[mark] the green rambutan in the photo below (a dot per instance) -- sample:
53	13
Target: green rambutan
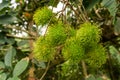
42	16
43	51
88	34
72	50
96	57
56	34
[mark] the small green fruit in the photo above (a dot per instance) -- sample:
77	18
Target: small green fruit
68	68
56	34
97	57
72	50
43	51
42	16
88	34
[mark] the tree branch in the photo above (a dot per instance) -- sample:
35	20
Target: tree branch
11	27
28	38
45	71
84	69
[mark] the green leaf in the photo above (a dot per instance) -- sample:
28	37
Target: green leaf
9	56
53	3
2	41
111	5
4	4
10	40
3	76
14	78
114	53
92	4
99	78
2	66
7	19
24	45
42	65
117	26
91	77
20	67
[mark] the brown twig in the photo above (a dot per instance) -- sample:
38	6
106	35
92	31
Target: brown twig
32	68
84	69
45	71
49	20
110	67
97	13
18	28
26	38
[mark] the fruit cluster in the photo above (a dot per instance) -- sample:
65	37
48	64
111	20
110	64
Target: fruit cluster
81	44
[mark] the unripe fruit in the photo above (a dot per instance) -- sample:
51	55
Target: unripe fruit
88	34
56	34
96	57
42	16
43	51
85	46
72	50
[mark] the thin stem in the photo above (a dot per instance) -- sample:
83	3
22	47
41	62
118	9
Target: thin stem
50	19
11	27
97	13
84	69
110	67
45	71
32	68
26	38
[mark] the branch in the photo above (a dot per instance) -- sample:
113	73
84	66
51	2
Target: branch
11	27
97	13
75	11
45	71
27	38
84	69
49	20
72	8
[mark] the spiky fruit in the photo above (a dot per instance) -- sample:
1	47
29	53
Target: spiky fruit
69	67
96	57
43	51
71	32
72	50
88	34
45	47
56	34
42	16
83	46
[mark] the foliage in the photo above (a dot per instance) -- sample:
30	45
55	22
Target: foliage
12	73
111	5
